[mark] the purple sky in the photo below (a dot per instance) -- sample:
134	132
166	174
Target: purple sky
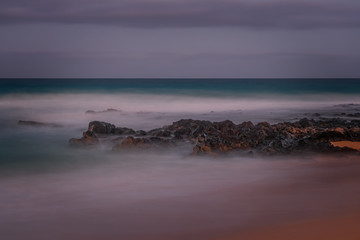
179	38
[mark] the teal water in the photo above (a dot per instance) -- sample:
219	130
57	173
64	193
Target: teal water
186	86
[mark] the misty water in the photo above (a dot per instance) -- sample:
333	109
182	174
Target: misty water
51	191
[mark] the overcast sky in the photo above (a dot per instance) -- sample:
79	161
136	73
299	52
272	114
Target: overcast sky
179	38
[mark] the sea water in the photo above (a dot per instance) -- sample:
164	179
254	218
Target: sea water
51	191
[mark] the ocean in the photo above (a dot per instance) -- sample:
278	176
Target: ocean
233	87
52	191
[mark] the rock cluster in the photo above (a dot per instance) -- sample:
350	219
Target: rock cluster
220	137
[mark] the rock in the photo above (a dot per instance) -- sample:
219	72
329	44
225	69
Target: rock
90	112
89	139
111	110
104	111
216	138
132	143
39	124
140	133
108	128
101	127
356	115
165	134
124	131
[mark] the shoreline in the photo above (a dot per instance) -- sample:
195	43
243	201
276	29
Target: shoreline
343	226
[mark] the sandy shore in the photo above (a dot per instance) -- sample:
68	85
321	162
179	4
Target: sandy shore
332	228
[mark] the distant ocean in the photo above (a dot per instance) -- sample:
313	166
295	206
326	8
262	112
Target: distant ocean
235	87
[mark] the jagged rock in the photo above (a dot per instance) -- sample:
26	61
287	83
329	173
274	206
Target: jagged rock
220	137
101	127
131	143
354	115
89	139
140	133
165	133
124	131
108	128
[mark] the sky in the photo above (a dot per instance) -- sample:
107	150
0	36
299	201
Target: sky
180	38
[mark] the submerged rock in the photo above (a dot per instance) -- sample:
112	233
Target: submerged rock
39	124
109	110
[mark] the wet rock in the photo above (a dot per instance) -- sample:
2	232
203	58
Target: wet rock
89	138
109	110
356	115
90	112
133	143
38	124
216	138
124	131
165	134
140	133
108	128
101	127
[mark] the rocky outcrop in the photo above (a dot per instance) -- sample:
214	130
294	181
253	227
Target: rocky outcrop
89	138
221	137
108	128
97	129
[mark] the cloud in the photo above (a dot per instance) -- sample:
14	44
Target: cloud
168	65
198	13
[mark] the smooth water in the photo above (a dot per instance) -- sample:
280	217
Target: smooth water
222	87
51	191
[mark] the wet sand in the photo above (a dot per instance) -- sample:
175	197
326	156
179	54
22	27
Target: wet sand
164	197
332	228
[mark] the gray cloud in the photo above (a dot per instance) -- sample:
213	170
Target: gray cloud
205	65
179	38
199	13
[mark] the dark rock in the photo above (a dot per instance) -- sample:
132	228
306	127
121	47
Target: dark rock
354	115
108	128
101	127
104	111
111	110
124	131
90	112
39	124
132	143
165	133
89	139
140	133
220	137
